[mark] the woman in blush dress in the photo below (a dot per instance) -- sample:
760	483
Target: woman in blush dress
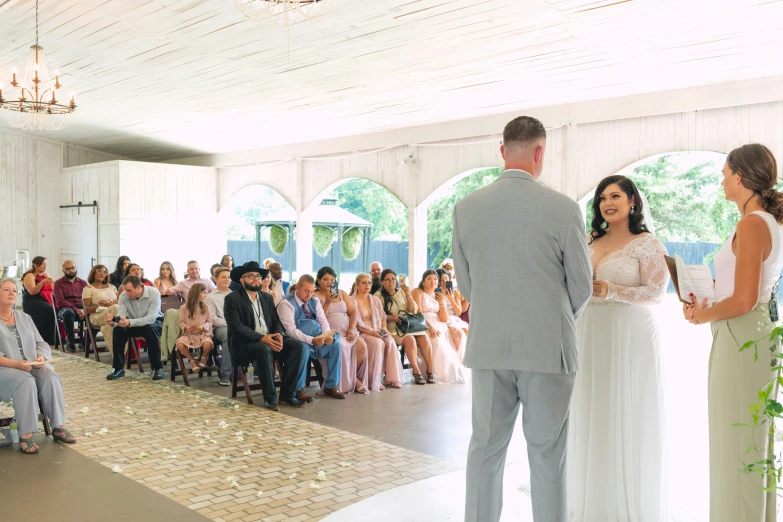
340	311
195	320
453	300
616	468
166	279
382	354
448	342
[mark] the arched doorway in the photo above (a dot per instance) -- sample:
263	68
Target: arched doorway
238	219
364	204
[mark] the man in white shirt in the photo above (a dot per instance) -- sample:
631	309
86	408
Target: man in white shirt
278	286
183	287
215	302
303	318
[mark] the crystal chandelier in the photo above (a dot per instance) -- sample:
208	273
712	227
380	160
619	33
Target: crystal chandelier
35	105
273	11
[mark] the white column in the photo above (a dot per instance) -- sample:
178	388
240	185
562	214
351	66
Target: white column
304	228
570	161
417	243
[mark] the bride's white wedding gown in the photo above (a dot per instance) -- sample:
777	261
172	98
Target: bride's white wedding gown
616	447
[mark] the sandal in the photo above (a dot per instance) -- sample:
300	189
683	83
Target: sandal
64	436
393	385
30	447
362	389
419	379
430	378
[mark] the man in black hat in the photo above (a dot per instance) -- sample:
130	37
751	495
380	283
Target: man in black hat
255	334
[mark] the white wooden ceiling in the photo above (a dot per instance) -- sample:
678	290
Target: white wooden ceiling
165	79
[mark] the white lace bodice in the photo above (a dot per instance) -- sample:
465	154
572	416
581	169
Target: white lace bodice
636	274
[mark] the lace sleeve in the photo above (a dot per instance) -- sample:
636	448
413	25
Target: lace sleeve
653	274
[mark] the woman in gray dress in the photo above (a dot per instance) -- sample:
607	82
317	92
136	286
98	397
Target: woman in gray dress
24	376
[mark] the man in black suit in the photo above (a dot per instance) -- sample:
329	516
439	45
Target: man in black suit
255	334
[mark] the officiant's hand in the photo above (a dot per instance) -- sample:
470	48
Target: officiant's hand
600	289
697	310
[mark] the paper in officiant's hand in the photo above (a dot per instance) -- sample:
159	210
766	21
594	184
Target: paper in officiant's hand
691	279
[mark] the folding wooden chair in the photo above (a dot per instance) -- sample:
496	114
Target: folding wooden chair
5	423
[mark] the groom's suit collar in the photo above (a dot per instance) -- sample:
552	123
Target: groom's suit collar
517	174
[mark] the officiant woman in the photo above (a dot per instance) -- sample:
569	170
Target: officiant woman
21	346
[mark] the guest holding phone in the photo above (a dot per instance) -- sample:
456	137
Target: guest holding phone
382	351
342	316
398	299
38	299
453	301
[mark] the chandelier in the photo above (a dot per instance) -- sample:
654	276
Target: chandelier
35	105
273	11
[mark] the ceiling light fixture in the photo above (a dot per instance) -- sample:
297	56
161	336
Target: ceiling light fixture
286	11
35	106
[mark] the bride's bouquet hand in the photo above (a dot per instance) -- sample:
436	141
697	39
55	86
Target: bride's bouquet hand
600	289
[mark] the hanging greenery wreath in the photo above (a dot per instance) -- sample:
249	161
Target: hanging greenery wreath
352	243
323	237
278	238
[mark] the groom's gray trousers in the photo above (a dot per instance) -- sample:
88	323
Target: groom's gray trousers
545	399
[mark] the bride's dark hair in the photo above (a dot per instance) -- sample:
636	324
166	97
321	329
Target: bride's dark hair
635	219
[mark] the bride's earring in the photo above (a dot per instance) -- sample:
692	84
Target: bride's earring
633	210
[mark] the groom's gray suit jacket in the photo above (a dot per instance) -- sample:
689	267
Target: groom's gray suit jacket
522	262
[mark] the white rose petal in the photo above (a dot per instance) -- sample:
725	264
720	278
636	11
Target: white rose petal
223	457
128	408
172	456
248	452
88	434
235	485
321	476
259	493
206	422
313	485
238	434
196	433
230	478
202	442
236	406
292	477
213	441
116	468
267	421
240	439
345	464
84	410
166	450
103	431
146	420
142	455
259	435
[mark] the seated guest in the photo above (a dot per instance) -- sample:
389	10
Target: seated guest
166	279
398	299
375	272
119	272
227	261
341	314
100	299
215	302
21	346
183	287
255	335
139	316
212	273
195	321
37	299
453	301
448	342
279	287
266	284
135	270
304	320
448	266
382	355
68	300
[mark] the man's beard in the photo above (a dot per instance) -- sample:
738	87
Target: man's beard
72	276
376	280
251	287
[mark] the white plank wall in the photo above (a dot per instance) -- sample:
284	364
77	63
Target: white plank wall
169	212
31	194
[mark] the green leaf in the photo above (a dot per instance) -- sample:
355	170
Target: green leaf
747	345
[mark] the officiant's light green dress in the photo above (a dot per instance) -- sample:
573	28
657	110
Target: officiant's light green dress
734	382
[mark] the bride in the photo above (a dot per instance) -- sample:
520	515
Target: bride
616	446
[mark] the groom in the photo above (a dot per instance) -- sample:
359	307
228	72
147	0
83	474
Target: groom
522	247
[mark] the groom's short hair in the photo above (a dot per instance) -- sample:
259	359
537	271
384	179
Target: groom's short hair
522	131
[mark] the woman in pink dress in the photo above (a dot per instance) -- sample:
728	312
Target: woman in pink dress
448	342
382	354
454	301
342	316
196	324
166	279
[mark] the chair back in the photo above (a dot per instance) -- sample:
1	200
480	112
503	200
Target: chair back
167	302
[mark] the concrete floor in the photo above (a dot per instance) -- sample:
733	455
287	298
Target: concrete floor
59	484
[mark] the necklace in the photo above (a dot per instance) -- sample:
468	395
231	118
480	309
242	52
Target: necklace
6	319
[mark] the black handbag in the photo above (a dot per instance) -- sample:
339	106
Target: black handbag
411	323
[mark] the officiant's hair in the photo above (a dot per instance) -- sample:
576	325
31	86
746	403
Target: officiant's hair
635	221
523	130
758	172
